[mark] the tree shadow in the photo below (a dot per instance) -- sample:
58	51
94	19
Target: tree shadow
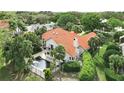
5	74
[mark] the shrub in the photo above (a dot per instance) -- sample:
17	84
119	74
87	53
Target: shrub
87	72
113	46
72	66
107	54
48	74
112	76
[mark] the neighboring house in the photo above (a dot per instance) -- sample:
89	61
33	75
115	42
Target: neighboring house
122	44
119	29
74	44
4	24
34	27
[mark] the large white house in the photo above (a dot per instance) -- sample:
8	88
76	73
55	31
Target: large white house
74	44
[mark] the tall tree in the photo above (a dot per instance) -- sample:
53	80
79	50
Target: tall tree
91	22
69	26
58	54
17	52
116	62
14	23
65	18
36	41
114	22
94	44
40	31
77	28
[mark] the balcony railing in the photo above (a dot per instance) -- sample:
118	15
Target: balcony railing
37	71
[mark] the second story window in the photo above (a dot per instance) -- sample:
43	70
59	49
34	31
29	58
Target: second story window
51	46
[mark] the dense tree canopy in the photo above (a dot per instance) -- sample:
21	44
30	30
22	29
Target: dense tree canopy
58	53
77	28
117	36
69	26
64	19
91	22
116	62
94	44
114	22
113	46
107	54
42	19
40	31
17	52
36	41
14	23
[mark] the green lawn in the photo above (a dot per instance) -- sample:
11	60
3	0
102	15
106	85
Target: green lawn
100	70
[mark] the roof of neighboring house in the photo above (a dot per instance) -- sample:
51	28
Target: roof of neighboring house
4	24
65	38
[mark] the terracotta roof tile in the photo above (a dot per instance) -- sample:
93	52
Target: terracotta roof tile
83	41
65	38
4	24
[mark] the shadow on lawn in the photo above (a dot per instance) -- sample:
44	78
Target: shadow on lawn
5	74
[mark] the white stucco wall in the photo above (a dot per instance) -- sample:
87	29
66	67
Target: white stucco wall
51	42
75	42
122	46
67	57
79	51
123	50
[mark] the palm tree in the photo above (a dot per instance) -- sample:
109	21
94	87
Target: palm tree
94	44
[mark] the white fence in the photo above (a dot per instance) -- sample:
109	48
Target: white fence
37	71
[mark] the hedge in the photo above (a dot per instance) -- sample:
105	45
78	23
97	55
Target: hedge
72	66
112	76
87	72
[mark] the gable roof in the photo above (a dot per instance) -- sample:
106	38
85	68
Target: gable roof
4	24
65	38
83	40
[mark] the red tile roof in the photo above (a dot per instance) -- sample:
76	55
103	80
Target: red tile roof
65	38
83	40
4	24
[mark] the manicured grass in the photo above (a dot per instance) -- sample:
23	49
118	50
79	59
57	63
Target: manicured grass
101	74
98	57
100	70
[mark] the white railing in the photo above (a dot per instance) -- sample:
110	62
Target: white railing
37	71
